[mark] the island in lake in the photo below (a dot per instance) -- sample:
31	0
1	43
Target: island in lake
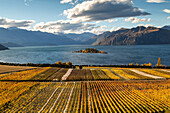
90	50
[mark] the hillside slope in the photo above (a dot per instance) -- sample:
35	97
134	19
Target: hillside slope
79	37
135	36
32	38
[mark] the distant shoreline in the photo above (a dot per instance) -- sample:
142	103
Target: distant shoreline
84	66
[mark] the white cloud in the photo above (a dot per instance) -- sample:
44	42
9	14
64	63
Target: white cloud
109	20
112	20
65	1
98	10
136	20
168	17
166	10
159	26
76	1
67	26
155	1
113	29
69	1
6	23
146	25
27	2
98	29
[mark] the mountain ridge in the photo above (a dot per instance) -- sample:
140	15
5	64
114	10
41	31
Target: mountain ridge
166	27
83	37
32	38
135	36
125	36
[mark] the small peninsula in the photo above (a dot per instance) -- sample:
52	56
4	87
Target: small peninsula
3	47
90	50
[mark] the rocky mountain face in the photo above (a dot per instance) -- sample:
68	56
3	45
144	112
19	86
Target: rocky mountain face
97	38
136	36
32	38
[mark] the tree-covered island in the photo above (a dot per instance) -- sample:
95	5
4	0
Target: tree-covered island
90	50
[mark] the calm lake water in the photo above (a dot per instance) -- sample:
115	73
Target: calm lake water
116	54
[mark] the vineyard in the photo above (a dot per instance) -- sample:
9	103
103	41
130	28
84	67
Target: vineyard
63	74
90	90
101	96
7	69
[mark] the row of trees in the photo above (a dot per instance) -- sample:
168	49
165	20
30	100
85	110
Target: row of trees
64	63
57	64
145	64
149	64
70	65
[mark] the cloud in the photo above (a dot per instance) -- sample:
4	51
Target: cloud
67	26
136	20
146	25
5	22
69	1
113	29
112	20
155	1
98	10
166	10
98	29
168	17
66	1
109	20
27	2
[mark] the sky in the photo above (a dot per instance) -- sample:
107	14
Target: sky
78	16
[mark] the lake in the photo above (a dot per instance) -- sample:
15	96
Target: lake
117	55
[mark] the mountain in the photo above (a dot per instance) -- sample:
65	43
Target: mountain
95	39
135	36
3	47
32	38
166	27
11	44
79	37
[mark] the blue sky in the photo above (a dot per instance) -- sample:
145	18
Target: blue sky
77	16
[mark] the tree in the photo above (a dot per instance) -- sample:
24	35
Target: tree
149	64
69	63
131	64
64	63
137	64
58	63
159	62
80	67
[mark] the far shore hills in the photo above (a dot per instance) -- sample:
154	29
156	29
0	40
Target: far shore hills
140	35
